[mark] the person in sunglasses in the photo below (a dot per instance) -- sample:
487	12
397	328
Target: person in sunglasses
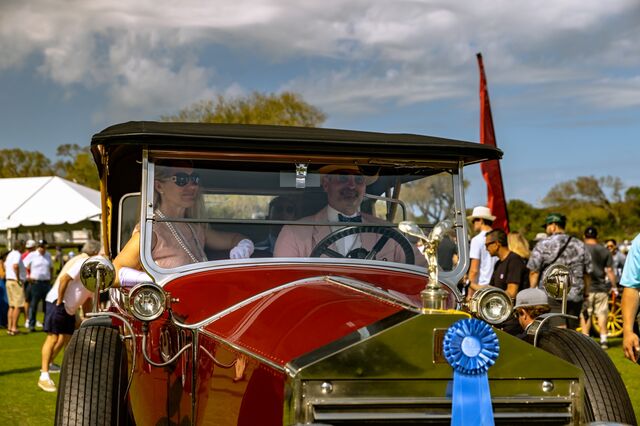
175	243
345	186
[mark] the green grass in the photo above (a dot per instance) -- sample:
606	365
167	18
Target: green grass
24	402
22	399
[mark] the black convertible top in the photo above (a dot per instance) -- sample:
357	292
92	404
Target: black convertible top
289	140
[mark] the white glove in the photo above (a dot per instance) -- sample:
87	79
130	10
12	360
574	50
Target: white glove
130	277
243	250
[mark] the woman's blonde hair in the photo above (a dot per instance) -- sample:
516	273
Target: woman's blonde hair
519	244
163	171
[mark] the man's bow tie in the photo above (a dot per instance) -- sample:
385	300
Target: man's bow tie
343	218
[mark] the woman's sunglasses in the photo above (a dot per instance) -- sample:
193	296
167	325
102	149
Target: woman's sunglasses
182	179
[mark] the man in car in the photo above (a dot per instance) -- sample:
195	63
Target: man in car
345	187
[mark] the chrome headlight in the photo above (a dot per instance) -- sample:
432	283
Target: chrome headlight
491	304
147	301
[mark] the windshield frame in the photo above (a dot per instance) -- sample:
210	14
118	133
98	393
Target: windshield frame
162	275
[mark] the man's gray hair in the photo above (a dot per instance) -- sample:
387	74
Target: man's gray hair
91	247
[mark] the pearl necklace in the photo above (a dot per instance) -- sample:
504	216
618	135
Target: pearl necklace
181	239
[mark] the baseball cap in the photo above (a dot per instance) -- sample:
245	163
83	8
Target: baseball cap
42	243
531	297
591	232
555	218
30	244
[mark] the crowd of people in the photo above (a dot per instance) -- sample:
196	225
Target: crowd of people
26	274
505	261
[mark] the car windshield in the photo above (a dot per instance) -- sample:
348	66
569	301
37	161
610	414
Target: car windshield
198	210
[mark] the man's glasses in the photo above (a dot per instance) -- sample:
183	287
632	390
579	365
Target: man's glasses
486	245
182	179
358	179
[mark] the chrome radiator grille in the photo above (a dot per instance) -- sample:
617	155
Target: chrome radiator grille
327	403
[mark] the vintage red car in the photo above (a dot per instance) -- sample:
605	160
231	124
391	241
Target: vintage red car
316	326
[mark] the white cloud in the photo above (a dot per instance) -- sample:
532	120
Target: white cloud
145	54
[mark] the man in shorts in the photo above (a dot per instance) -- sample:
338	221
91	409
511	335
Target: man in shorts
16	277
63	301
599	288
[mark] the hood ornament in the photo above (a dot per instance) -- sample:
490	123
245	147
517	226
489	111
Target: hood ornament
433	296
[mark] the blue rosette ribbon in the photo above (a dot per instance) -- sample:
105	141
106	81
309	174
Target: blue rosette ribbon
471	347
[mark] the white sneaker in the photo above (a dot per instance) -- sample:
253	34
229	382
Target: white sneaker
54	368
47	385
26	324
39	324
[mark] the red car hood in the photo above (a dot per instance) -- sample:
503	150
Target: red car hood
281	314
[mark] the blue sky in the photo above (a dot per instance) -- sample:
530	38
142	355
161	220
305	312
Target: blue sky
564	76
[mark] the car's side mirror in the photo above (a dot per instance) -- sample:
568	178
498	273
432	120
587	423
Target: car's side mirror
97	273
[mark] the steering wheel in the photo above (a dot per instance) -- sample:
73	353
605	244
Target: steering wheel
386	233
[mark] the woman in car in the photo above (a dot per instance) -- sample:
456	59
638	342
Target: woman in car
177	196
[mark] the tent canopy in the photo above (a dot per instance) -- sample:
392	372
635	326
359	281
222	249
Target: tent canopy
46	201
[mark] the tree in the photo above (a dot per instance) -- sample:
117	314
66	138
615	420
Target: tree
287	109
76	164
588	190
18	163
525	218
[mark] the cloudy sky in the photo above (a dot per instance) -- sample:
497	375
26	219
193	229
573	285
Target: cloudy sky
564	75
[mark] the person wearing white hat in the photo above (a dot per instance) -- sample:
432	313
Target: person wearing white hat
482	262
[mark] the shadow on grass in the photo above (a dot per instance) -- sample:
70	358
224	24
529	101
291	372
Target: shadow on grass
19	370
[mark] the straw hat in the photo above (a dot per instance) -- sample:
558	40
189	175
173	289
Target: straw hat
335	169
481	212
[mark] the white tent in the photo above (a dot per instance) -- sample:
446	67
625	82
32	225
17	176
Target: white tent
45	202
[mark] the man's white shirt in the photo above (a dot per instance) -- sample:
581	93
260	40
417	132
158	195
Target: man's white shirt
478	250
39	265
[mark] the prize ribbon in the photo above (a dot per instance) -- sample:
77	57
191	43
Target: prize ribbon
471	347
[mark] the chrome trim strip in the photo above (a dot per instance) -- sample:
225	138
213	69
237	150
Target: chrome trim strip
243	303
355	401
194	374
162	276
368	289
362	334
133	340
460	224
243	350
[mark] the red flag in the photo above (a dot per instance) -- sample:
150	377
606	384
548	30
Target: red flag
491	169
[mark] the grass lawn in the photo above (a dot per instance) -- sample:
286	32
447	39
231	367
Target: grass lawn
24	402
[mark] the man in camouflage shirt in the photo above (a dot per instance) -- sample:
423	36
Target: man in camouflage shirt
575	256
